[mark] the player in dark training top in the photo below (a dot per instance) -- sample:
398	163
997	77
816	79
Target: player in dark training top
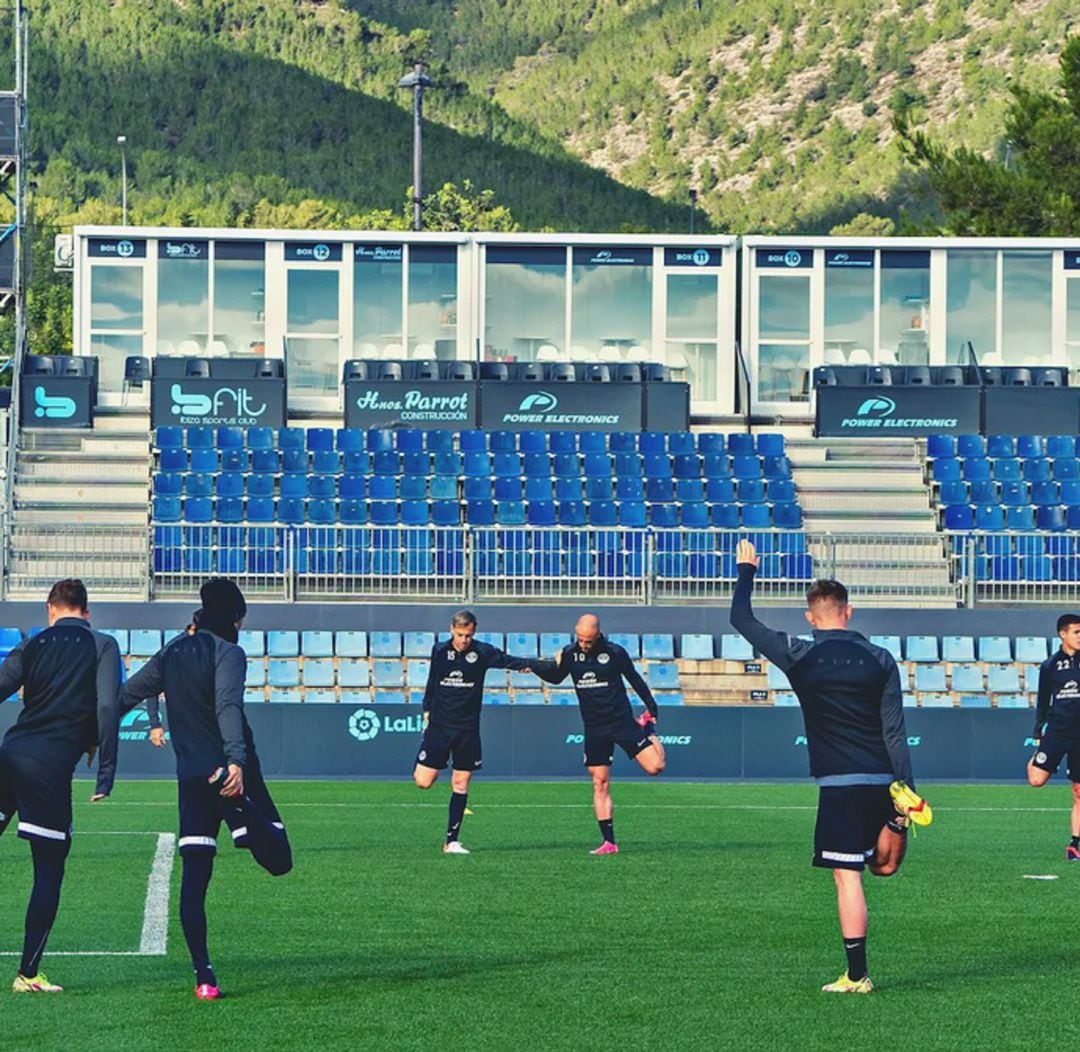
849	691
597	668
452	701
70	678
202	677
1057	721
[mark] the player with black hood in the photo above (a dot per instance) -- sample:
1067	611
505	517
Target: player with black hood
202	678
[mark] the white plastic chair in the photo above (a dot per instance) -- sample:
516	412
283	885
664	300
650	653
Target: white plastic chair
189	348
609	353
859	356
367	351
547	352
637	353
393	350
219	349
423	352
834	356
887	356
165	347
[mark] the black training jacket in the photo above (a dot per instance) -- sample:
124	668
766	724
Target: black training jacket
70	676
1059	691
455	684
598	679
202	678
849	691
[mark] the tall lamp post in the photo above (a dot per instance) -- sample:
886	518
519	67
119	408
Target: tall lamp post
417	80
121	141
693	207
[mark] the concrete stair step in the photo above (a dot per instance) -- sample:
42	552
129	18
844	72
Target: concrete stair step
62	515
102	492
66	470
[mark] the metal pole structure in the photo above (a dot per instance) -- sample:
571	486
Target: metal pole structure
417	81
693	208
121	141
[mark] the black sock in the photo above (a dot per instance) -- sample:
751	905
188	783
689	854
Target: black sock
198	868
49	856
457	813
1074	842
856	958
607	829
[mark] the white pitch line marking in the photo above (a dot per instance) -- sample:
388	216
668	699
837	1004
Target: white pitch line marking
155	929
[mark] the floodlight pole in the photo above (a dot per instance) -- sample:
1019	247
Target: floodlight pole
417	81
121	141
693	207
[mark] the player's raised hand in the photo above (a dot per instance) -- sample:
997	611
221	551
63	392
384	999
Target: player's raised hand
746	553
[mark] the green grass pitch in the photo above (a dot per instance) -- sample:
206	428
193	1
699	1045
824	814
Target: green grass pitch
709	931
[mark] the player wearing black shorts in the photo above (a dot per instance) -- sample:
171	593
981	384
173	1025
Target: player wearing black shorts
70	678
202	677
849	691
452	700
597	667
1057	721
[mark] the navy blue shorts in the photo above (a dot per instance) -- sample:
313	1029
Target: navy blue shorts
600	742
849	821
39	793
203	809
1058	742
441	744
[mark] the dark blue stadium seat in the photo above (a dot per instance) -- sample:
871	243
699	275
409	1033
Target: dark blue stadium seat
659	489
597	465
416	462
169	438
989	517
598	489
1037	469
168	485
1020	518
352	512
686	466
199	438
711	442
984	491
954	491
689	491
1061	446
319	438
445	512
716	466
569	489
959	517
776	467
322	511
538	489
652	442
565	465
725	516
603	513
787	516
351	487
781	491
235	460
205	460
680	442
198	509
229	484
946	469
294	462
198	485
720	491
694	516
940	446
537	465
1001	446
439	441
1045	493
351	440
409	440
506	465
508	488
230	438
480	512
755	516
1007	469
326	462
291	510
629	489
751	491
976	468
260	509
771	444
532	442
448	463
415	513
1051	517
571	513
592	442
622	442
166	509
290	438
1070	493
1015	494
173	460
628	465
1066	469
383	512
1030	446
664	516
746	467
970	446
477	489
265	461
656	465
633	514
294	486
740	444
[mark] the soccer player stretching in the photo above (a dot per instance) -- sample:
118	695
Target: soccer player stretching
849	691
597	668
452	700
202	677
70	676
1057	721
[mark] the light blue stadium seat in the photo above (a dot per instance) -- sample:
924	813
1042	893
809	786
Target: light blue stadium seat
388	672
967	678
937	701
354	697
496	697
283	672
416	671
696	647
495	639
629	641
552	642
351	644
910	701
282	644
10	638
663	675
921	648
1031	679
1030	648
143	641
974	701
419	644
385	644
529	697
995	648
776	679
169	634
889	643
785	699
957	648
389	696
562	696
669	697
521	644
254	696
317	644
1003	679
657	646
318	672
120	635
320	696
735	648
1013	701
523	680
353	672
256	673
929	678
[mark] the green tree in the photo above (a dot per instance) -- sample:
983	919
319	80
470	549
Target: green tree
1033	189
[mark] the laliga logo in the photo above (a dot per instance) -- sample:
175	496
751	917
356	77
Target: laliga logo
877	406
124	248
202	405
363	725
792	258
541	402
55	407
701	257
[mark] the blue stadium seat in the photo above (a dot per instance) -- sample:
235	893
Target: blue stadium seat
1061	446
416	672
1030	446
959	517
756	516
771	444
439	441
317	644
384	644
1007	469
387	672
283	672
379	440
995	648
173	460
120	635
522	644
746	467
473	441
740	443
1020	518
889	643
694	516
1031	649
1012	701
168	485
696	647
663	676
169	438
921	648
419	644
937	701
200	438
711	442
351	644
1003	679
283	644
256	673
598	489
409	440
929	678
957	648
657	647
1051	517
946	469
652	442
971	446
976	469
1066	469
966	678
735	648
353	672
989	517
716	466
998	446
294	486
974	701
787	516
725	516
317	672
